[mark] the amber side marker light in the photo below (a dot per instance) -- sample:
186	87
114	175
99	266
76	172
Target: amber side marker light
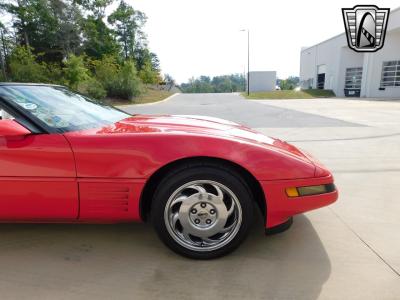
310	190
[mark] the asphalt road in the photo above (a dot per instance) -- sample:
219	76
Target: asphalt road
350	250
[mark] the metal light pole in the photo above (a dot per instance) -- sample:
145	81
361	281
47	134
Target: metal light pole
248	60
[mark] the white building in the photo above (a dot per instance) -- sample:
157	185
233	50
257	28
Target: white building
333	65
262	81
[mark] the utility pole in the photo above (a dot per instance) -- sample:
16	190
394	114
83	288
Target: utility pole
248	60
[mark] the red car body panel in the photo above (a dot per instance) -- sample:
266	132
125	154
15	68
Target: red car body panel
11	129
38	199
138	146
42	155
98	175
37	178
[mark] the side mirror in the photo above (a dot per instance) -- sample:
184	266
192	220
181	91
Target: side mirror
10	128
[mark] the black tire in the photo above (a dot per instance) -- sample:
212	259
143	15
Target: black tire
184	174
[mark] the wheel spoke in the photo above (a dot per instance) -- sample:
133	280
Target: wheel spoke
178	200
226	229
231	209
209	241
175	219
220	194
199	188
186	235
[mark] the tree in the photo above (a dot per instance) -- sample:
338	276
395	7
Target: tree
155	62
51	27
148	65
97	8
218	84
147	74
3	52
23	15
99	39
143	56
169	81
68	34
70	42
25	68
128	24
290	83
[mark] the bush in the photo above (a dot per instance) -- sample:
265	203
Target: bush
148	75
75	71
106	72
24	68
55	74
128	83
92	88
119	81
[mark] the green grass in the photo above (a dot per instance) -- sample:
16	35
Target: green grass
291	94
149	96
152	95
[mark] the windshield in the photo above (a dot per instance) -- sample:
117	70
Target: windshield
60	108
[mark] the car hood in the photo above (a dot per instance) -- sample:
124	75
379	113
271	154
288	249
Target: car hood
192	124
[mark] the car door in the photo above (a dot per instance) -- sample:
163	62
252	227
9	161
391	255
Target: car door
37	175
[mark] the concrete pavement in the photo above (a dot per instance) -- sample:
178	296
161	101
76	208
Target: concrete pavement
234	108
350	250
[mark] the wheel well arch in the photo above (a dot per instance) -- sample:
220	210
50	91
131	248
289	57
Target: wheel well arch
151	184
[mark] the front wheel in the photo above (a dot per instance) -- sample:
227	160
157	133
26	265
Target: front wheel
202	211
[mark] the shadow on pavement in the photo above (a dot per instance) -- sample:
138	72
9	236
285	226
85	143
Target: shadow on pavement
127	261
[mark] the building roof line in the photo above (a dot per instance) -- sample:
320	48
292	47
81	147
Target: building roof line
327	40
338	35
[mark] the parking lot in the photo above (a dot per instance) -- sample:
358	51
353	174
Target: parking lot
348	250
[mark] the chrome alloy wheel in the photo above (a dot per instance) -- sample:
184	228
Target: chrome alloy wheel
203	215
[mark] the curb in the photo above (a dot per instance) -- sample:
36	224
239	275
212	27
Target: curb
152	103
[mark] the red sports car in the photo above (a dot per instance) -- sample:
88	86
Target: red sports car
67	158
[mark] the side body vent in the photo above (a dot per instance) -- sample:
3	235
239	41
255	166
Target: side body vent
105	200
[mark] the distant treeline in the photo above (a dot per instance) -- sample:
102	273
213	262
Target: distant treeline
229	83
217	84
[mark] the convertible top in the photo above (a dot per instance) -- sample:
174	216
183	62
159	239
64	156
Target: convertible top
28	84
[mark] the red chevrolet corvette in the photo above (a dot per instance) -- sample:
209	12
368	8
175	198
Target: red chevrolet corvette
67	158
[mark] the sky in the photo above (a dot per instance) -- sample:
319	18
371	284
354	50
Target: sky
203	37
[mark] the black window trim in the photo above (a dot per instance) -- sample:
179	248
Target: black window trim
22	118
